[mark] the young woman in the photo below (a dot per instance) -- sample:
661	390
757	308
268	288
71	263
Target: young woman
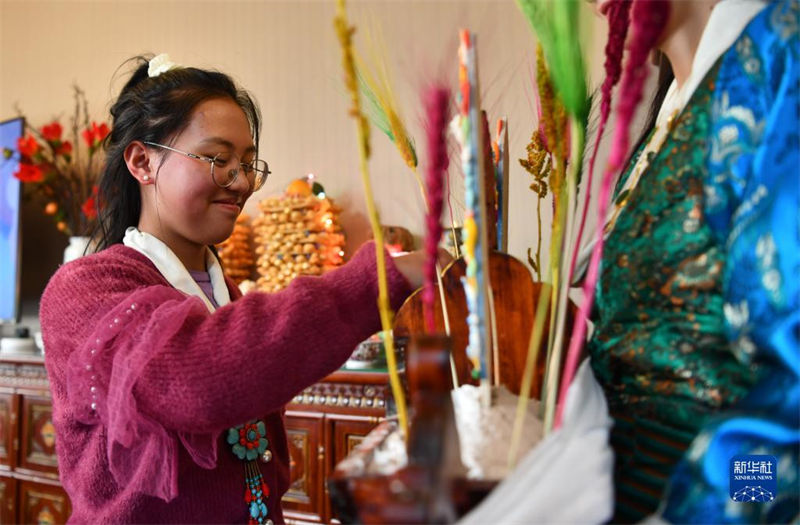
168	386
696	338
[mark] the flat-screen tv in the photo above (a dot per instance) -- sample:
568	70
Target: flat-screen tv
10	246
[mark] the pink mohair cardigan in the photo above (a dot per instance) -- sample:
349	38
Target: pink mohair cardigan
145	381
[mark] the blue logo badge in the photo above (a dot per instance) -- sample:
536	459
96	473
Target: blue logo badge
754	478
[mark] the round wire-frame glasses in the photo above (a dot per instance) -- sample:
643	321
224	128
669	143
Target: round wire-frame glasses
224	170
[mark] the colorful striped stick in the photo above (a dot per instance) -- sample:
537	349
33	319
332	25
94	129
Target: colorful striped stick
501	184
475	243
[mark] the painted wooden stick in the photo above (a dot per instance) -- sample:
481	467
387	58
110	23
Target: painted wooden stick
501	180
475	245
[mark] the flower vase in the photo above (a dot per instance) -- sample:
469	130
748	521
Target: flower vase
76	248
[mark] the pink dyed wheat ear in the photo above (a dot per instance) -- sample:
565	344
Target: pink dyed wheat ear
618	16
618	22
649	18
437	103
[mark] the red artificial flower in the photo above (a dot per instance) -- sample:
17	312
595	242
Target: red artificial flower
27	146
65	148
52	132
29	173
88	136
95	134
101	132
89	209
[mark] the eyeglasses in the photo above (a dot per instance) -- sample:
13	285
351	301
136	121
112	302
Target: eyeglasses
225	167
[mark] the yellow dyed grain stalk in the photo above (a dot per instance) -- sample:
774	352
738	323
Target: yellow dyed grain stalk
345	33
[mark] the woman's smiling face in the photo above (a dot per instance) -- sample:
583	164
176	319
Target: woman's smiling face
190	206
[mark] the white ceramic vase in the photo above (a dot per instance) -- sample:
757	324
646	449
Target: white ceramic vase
76	248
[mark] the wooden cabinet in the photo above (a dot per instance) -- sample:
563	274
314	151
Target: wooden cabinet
42	503
8	500
323	424
304	432
37	437
29	488
348	431
8	431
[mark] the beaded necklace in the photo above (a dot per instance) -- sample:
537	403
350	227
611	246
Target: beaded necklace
249	443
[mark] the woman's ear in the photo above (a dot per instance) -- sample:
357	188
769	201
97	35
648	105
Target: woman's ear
138	159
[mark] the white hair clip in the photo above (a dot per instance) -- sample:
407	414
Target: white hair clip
160	64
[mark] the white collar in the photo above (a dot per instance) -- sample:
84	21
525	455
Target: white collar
173	269
725	24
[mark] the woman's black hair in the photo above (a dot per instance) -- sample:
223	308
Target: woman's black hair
154	109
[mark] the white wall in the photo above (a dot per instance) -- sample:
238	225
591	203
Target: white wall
286	53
